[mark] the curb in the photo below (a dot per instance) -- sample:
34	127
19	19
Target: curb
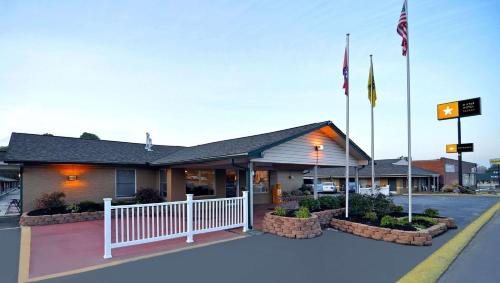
24	255
431	269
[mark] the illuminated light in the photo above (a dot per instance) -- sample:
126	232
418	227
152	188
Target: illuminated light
72	177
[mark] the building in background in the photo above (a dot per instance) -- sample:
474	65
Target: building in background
9	174
447	169
388	172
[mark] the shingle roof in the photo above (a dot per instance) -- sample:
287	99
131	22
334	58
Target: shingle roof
383	167
5	179
250	145
55	149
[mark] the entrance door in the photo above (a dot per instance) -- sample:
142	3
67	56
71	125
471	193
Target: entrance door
392	184
231	183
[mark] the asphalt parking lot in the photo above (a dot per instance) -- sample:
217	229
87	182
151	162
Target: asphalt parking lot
335	256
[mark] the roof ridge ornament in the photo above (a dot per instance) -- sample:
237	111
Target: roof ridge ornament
149	142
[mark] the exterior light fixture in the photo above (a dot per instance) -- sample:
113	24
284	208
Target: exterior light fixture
318	147
72	177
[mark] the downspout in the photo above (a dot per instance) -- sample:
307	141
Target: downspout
21	189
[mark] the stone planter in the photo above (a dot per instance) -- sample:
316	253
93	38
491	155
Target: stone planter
291	227
27	220
414	238
326	216
450	222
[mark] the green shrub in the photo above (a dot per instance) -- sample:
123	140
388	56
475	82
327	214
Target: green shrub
370	216
397	208
403	221
341	199
382	205
329	202
359	205
148	195
52	201
303	212
311	204
279	211
89	206
388	221
425	219
431	212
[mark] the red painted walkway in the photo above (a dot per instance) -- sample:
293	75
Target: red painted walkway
65	247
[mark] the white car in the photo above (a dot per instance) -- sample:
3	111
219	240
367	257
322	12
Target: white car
327	187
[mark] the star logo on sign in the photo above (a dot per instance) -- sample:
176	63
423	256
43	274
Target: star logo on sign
448	110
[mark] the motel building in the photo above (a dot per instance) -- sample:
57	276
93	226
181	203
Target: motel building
388	172
97	169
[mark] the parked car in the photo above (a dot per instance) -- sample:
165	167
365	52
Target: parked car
327	187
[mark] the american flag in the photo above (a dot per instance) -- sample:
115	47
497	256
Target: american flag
345	72
403	29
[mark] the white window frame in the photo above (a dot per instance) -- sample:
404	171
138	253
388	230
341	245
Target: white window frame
135	183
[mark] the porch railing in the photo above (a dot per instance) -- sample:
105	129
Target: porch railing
127	225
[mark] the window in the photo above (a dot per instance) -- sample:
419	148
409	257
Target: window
125	183
261	182
163	182
200	182
449	168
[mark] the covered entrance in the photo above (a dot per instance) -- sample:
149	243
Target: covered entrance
258	163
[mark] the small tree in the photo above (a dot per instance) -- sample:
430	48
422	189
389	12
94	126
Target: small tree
89	136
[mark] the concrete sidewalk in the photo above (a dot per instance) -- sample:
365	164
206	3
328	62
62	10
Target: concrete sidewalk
63	248
480	260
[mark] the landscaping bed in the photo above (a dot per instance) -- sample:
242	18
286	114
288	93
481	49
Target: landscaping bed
378	218
52	208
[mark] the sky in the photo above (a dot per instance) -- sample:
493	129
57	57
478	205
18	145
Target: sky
191	72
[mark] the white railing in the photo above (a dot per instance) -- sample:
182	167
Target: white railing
127	225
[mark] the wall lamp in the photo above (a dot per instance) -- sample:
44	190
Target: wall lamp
72	178
318	147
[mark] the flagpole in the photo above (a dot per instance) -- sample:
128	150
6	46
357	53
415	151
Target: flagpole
408	105
373	146
347	135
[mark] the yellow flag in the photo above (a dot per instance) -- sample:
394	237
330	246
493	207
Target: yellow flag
372	91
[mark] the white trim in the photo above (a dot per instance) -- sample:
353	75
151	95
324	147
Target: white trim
135	183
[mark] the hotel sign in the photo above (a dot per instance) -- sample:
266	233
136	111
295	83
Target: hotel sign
464	147
495	161
458	109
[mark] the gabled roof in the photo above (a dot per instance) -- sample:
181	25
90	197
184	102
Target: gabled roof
26	148
54	149
383	168
251	146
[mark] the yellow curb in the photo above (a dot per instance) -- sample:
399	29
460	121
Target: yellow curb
118	262
24	255
438	262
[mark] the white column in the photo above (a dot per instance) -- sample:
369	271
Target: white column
250	191
245	211
237	182
315	188
189	208
107	228
357	179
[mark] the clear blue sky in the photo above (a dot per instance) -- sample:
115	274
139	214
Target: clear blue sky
191	72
